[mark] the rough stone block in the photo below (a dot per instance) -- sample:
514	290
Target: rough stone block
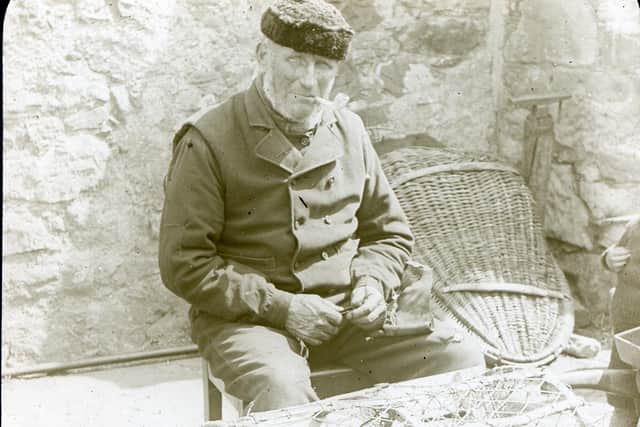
618	163
154	224
593	281
362	15
54	221
622	51
92	10
605	200
393	76
26	275
550	31
79	90
93	119
567	218
23	231
79	211
76	164
612	87
621	16
525	80
121	96
449	36
42	132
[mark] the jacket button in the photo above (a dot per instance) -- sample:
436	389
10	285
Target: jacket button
296	265
300	221
327	220
325	255
330	181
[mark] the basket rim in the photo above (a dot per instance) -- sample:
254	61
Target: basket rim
547	354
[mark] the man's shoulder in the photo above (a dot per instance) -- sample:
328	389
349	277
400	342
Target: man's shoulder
219	112
352	127
212	120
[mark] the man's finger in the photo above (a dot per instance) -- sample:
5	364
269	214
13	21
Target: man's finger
361	311
329	329
333	316
325	334
367	307
372	319
358	296
376	313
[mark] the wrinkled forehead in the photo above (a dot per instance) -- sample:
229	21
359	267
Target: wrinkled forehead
284	52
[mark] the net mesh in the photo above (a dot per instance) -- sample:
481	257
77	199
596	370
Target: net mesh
503	396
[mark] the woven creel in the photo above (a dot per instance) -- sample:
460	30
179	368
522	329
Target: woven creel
474	223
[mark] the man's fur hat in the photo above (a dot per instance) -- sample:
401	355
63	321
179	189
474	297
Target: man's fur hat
311	26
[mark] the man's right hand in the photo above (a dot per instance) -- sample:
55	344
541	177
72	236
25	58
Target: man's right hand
313	319
617	257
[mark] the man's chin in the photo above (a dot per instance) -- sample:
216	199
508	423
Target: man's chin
300	113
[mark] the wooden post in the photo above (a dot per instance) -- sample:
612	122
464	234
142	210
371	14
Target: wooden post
539	144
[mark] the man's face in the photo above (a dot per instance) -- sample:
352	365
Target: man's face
292	79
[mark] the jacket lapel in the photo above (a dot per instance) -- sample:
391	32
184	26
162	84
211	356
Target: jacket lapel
326	145
268	141
276	149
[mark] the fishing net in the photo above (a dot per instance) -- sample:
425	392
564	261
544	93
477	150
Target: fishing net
501	397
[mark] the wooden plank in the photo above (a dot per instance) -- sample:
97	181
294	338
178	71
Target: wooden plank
531	100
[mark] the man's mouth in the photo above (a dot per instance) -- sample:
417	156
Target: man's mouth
305	98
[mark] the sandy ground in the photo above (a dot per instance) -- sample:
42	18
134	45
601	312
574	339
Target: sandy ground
160	394
167	394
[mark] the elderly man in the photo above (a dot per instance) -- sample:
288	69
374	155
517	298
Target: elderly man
278	216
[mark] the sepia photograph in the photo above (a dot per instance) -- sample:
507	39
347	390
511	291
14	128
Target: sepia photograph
323	213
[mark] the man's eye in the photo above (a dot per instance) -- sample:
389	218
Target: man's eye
295	60
325	67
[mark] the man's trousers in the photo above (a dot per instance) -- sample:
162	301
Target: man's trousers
270	369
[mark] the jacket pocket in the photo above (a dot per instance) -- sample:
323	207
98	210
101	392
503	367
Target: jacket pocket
259	263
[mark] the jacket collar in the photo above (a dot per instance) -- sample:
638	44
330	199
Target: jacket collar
274	147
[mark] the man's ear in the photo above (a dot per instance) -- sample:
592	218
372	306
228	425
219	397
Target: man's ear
261	52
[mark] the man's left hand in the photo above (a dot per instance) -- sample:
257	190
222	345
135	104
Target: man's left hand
369	305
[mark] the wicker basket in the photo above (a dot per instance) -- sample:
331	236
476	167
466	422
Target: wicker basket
474	223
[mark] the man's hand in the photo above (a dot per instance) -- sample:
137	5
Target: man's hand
617	257
370	306
313	319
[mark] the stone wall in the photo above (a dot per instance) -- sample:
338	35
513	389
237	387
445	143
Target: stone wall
93	92
591	50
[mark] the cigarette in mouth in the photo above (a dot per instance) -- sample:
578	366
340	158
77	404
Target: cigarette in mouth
340	101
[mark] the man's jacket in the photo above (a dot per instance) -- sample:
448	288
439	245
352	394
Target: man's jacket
248	220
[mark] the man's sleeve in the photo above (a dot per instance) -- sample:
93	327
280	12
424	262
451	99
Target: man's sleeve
191	224
386	241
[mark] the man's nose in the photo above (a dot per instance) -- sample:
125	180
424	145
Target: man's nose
308	76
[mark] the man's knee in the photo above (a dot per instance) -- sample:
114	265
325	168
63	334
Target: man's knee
268	386
282	380
275	387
